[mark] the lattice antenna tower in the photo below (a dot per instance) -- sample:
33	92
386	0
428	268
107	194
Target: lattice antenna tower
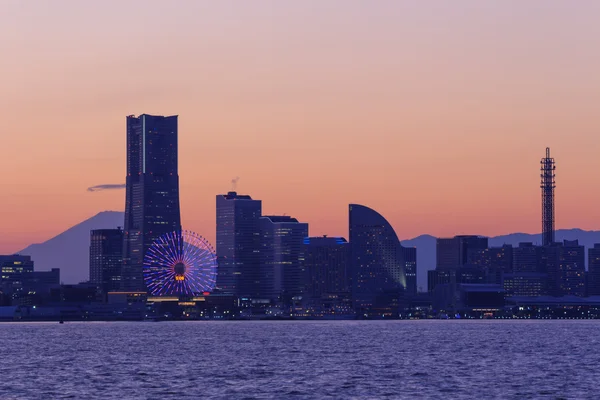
547	184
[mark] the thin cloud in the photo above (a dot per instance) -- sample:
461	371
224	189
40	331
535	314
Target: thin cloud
98	188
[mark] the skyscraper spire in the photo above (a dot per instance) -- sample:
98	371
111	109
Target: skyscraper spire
547	185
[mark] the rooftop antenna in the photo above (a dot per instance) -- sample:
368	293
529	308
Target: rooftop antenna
234	182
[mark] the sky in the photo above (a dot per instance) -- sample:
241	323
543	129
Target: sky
435	114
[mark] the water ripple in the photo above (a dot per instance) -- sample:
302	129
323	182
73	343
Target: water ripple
301	360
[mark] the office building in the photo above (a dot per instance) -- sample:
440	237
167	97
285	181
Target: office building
152	191
549	265
526	258
447	253
238	245
442	276
525	284
594	270
454	252
106	259
15	272
21	283
326	267
410	269
494	260
572	269
564	263
282	258
378	275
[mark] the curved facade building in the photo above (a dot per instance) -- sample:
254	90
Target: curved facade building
377	263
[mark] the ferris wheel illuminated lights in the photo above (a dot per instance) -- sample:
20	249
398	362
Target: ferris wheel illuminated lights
182	263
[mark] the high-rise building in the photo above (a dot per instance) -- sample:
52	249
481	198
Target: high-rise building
594	270
526	258
564	263
378	270
549	264
106	259
282	257
454	252
152	191
547	184
326	266
447	253
501	258
410	269
572	269
454	257
494	260
238	245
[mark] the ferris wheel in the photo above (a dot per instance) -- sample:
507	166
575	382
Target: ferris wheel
180	263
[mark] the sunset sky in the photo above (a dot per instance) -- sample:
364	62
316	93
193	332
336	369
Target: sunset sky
436	114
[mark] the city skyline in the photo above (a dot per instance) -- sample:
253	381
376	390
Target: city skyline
315	199
391	130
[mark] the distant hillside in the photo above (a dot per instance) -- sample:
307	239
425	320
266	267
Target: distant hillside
69	250
425	245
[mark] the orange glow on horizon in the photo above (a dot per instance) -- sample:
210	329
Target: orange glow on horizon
436	116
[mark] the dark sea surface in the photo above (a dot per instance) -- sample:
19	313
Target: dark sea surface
303	359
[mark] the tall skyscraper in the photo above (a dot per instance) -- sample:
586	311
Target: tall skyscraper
152	191
326	266
547	185
238	244
106	259
282	257
378	270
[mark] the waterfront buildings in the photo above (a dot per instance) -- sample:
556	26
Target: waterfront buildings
410	269
525	284
152	191
20	284
526	258
282	257
494	260
238	245
378	270
454	252
594	270
14	269
460	259
326	267
571	269
106	259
